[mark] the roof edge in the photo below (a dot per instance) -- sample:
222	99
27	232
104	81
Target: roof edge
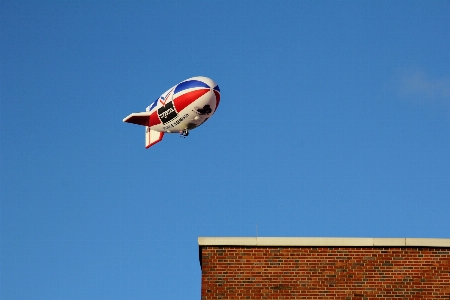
323	242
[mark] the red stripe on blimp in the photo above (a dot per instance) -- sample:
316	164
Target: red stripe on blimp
154	120
217	99
183	101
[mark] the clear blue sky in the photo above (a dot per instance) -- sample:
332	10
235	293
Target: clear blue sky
334	122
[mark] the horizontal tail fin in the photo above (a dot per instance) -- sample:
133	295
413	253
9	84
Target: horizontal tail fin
141	118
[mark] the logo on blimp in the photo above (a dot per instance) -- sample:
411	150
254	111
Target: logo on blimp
167	113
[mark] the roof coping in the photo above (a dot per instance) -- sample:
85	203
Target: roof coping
323	242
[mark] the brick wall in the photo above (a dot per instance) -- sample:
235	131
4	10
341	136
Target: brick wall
255	272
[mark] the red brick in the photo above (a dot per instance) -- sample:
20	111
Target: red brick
325	272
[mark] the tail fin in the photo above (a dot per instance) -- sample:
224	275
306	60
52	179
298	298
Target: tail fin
152	137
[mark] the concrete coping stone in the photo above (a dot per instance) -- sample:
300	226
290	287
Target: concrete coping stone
323	242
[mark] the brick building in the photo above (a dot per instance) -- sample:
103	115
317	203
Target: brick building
324	268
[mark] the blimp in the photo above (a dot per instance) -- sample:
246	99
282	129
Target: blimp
181	108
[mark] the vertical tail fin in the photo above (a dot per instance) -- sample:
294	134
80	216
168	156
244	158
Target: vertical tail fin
152	137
